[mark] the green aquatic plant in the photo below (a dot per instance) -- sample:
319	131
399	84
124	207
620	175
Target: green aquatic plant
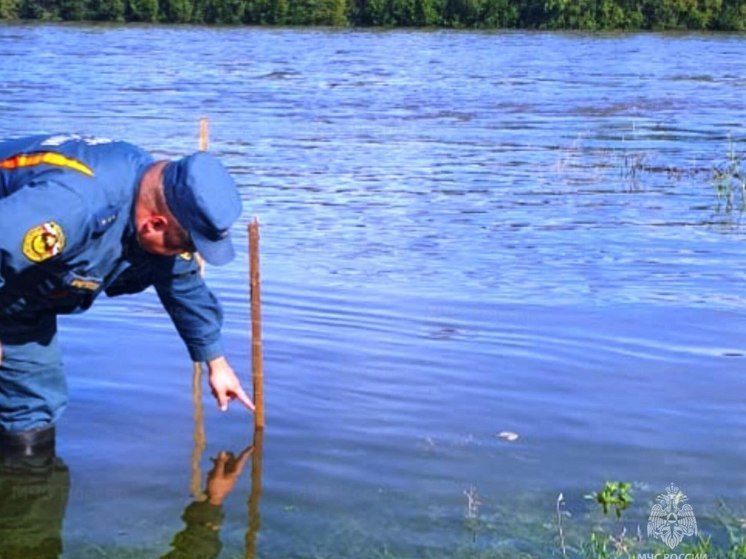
560	503
737	550
613	494
735	527
603	545
597	546
632	167
472	511
523	527
702	547
729	180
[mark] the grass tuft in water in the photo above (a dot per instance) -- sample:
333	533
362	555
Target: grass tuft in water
632	168
613	494
729	181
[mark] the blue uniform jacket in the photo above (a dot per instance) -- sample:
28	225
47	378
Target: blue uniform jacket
67	234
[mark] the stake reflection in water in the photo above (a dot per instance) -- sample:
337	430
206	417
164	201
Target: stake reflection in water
199	434
226	469
255	520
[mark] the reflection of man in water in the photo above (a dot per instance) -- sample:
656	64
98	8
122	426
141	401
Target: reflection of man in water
201	536
33	497
34	493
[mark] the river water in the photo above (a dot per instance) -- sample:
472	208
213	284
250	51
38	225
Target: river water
462	234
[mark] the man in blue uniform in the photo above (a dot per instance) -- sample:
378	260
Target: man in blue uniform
81	216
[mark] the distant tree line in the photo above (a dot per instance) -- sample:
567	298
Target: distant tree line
594	15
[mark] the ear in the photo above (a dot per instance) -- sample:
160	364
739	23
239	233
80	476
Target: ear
156	223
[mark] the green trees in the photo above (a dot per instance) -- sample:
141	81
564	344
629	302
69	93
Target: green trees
490	14
141	10
8	9
317	12
106	10
222	11
266	12
38	9
294	12
616	14
570	14
73	10
499	14
443	13
461	13
175	11
680	14
732	16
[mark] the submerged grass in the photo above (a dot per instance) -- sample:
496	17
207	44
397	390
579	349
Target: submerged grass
628	169
508	531
721	535
729	181
620	168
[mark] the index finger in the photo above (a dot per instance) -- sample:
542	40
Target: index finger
243	457
244	398
220	463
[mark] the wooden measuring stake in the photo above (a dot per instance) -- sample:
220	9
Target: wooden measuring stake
204	137
257	366
200	439
203	133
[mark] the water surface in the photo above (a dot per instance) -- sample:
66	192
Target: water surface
462	234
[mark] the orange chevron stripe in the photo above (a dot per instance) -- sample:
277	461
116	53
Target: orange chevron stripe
44	158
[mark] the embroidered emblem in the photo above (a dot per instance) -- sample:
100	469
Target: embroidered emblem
43	242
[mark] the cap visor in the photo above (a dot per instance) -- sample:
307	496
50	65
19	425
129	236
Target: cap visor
216	253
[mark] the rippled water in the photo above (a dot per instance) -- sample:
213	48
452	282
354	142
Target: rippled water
462	234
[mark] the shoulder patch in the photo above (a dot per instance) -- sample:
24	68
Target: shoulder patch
43	242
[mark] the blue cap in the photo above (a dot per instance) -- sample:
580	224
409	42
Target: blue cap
204	199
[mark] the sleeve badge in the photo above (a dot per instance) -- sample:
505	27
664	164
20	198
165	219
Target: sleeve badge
43	242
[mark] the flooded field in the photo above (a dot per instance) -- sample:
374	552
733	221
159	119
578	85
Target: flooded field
463	234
